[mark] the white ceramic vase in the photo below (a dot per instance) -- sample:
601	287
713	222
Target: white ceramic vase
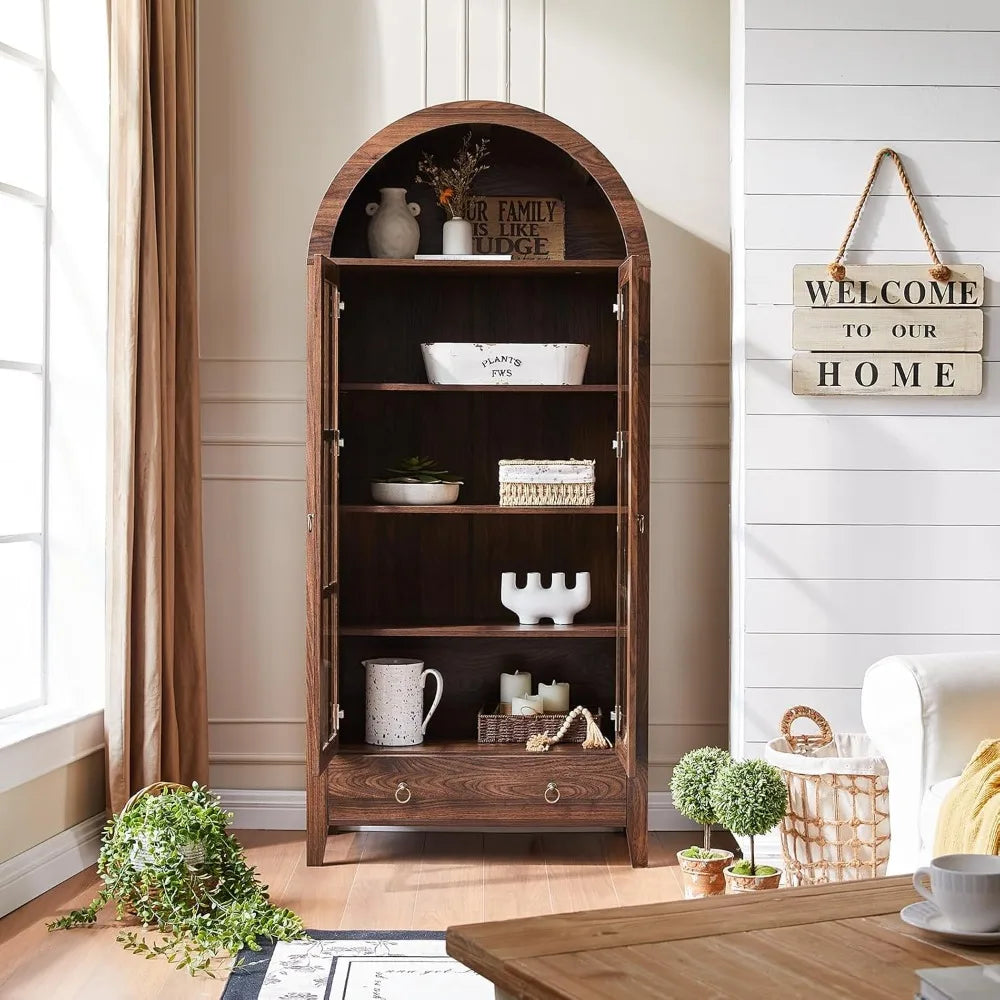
393	231
457	237
394	701
533	601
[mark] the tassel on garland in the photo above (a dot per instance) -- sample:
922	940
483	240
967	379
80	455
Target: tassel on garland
595	739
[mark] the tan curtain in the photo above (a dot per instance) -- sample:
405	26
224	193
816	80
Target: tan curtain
156	714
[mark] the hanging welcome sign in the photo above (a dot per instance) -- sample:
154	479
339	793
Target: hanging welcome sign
887	329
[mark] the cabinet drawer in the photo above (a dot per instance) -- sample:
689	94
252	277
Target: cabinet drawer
548	788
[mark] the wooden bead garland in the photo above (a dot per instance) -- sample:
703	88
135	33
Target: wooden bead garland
595	739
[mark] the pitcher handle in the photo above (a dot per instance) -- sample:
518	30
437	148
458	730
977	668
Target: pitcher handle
436	674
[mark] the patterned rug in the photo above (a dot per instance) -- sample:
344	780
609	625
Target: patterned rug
356	965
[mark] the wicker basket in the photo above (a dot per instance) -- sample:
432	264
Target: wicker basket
497	728
837	825
542	483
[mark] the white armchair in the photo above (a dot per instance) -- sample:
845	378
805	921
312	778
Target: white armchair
927	714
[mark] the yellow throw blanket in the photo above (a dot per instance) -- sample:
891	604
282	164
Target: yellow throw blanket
970	814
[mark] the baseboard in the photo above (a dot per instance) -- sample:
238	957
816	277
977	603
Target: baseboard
271	809
264	808
43	867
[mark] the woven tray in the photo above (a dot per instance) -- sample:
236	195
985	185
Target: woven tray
497	728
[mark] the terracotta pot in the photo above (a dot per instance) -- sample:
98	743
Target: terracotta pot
704	878
751	883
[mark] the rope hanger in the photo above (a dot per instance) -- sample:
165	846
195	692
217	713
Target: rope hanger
938	271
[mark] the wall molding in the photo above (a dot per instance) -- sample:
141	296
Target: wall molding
27	875
277	809
249	397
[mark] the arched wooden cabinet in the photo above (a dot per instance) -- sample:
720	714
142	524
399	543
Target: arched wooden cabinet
385	581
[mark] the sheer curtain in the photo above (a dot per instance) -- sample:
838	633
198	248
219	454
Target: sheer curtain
156	714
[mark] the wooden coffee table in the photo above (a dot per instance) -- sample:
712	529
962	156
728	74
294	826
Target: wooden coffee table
832	941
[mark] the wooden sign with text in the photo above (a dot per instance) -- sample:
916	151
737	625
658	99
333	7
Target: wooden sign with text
900	331
528	227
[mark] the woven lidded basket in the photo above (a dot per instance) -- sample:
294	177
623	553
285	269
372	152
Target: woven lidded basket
837	825
497	728
546	483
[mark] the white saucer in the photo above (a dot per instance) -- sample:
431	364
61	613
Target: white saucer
928	917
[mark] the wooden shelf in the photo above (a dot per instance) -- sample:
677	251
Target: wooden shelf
512	267
426	387
469	508
485	631
431	748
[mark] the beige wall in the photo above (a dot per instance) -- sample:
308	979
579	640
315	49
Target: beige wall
287	91
39	809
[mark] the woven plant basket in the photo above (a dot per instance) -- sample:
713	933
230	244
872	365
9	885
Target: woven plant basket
497	728
837	825
144	854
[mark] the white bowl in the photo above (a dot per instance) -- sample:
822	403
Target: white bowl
415	494
505	364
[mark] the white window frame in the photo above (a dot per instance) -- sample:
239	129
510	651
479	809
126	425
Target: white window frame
68	722
43	201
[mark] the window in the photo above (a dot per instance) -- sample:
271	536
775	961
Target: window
53	322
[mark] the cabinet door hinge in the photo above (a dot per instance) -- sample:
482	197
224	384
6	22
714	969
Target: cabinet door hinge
616	718
341	306
336	714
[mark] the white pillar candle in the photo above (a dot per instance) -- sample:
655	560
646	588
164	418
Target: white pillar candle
530	704
514	685
555	696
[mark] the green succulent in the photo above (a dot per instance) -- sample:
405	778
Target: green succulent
170	860
691	786
418	470
750	799
704	854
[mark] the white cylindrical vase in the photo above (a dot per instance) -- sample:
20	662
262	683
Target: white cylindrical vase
457	235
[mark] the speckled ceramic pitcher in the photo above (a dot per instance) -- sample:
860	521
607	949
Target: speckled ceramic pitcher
394	699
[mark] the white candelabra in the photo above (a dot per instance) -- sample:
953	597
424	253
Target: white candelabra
533	601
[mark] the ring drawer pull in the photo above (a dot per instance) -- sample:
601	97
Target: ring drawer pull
552	795
403	793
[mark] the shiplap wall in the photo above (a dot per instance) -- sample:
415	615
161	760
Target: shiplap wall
861	527
287	92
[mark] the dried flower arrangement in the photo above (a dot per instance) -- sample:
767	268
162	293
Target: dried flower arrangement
453	185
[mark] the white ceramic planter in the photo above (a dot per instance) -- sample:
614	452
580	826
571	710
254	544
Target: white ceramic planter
415	494
505	364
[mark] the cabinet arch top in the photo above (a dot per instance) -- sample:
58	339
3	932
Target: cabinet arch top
584	155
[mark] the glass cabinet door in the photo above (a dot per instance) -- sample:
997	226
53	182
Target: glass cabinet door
322	450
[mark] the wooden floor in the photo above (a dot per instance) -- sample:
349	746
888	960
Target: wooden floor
372	881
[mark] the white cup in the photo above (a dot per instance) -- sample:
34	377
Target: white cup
965	888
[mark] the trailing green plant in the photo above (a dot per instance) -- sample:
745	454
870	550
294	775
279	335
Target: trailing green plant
750	798
691	786
169	860
418	470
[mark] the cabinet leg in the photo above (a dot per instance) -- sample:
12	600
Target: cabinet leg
637	821
317	820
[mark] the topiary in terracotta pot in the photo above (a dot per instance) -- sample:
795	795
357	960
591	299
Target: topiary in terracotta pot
750	799
701	867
